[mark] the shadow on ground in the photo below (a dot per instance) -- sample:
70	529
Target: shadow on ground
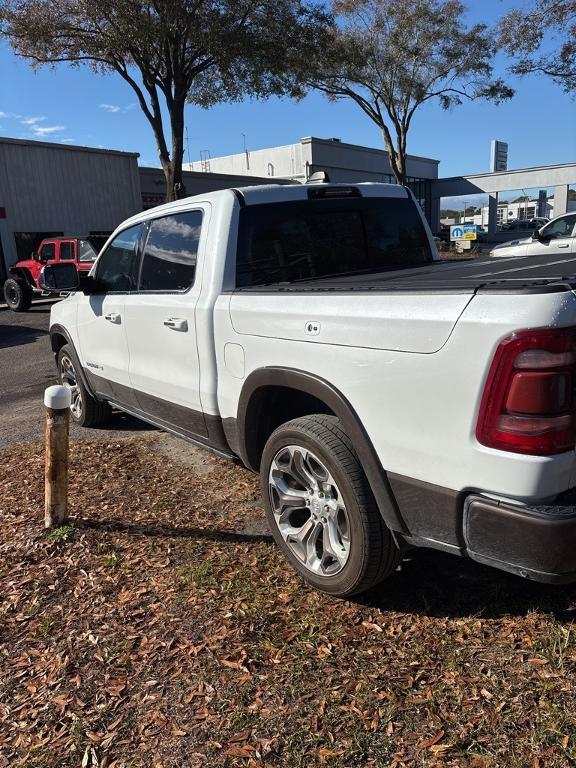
437	584
429	583
123	422
14	335
169	531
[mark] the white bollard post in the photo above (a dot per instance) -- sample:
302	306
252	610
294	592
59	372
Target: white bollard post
57	401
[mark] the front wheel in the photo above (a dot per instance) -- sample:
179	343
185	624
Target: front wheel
17	294
85	410
321	510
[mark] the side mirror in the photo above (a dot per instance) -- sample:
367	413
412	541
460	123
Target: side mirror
59	277
536	235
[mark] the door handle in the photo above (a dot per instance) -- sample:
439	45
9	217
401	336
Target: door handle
563	245
113	317
176	323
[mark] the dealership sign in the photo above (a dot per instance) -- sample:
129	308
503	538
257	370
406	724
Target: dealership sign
463	232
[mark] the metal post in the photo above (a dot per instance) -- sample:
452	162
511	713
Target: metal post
57	402
492	213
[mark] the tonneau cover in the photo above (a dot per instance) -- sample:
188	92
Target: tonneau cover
527	273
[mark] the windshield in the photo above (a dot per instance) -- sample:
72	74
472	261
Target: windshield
313	239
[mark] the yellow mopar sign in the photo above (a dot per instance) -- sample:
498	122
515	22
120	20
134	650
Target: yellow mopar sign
469	236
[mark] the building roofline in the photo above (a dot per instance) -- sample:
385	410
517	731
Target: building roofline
327	142
361	147
72	147
508	172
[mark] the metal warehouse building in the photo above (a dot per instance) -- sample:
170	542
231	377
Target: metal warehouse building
49	189
53	189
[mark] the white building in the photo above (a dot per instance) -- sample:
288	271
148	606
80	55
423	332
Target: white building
342	162
523	210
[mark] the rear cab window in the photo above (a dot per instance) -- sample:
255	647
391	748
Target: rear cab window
326	238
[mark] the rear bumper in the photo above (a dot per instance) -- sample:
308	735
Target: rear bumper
536	542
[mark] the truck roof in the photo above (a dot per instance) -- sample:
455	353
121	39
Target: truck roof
267	193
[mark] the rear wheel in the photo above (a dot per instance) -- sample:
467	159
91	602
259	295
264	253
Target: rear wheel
18	294
85	410
321	510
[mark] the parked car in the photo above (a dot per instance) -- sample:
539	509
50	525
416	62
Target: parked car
517	224
558	237
524	224
388	400
22	284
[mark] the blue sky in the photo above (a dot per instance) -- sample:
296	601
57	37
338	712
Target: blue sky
73	105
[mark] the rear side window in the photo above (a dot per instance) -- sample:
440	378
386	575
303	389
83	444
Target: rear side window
118	265
66	251
316	239
169	262
86	251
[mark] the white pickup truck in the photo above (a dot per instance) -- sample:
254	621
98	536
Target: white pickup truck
387	399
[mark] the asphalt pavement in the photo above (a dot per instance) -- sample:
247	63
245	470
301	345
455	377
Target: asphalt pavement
26	368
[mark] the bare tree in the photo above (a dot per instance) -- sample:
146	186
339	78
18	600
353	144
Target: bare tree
542	39
170	52
392	57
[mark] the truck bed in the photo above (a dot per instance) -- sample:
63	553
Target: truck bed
532	274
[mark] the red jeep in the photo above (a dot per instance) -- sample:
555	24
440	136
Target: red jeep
22	284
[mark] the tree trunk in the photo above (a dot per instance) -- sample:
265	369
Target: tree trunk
397	158
400	167
175	189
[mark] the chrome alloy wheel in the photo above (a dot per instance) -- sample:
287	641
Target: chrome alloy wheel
69	379
309	510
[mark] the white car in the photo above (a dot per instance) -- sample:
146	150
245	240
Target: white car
388	399
558	237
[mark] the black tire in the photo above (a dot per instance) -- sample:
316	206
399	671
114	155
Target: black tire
17	294
85	410
372	553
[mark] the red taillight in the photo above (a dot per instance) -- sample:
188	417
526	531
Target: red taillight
528	404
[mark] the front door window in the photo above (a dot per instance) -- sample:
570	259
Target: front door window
117	270
562	227
48	252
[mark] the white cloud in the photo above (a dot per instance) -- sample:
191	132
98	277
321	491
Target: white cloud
32	120
114	108
67	141
47	130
